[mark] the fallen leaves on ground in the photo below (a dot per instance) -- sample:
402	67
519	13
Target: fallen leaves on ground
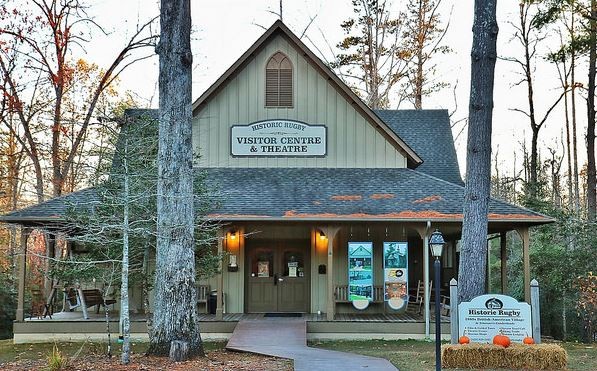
216	360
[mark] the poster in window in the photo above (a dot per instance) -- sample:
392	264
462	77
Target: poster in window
263	269
360	271
395	263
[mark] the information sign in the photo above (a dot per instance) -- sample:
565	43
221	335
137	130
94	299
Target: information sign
360	271
395	263
487	315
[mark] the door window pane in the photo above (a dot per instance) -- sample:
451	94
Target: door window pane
294	264
262	264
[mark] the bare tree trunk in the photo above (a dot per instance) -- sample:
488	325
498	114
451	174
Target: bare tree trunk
175	316
591	173
568	143
473	255
124	284
573	103
419	60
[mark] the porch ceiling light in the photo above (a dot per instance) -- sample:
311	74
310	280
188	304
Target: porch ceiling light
436	243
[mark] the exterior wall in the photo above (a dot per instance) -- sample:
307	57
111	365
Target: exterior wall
351	140
234	282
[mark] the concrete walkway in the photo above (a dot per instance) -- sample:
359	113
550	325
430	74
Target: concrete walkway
287	338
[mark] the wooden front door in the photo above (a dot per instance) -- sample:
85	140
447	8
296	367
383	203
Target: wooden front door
278	278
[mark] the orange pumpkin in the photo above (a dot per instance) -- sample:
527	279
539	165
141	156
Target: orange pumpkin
464	340
528	340
502	340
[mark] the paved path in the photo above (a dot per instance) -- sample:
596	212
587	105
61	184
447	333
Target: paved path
287	338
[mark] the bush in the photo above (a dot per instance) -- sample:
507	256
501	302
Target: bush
8	304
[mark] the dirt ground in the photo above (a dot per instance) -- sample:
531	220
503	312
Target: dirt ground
33	358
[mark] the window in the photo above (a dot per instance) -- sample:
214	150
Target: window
278	81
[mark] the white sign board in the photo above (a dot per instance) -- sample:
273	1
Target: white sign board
278	138
485	316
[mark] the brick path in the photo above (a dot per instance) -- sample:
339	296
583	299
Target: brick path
287	338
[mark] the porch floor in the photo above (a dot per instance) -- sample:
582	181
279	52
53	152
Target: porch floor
411	317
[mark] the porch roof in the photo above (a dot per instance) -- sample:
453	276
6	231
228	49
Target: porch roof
51	211
364	194
315	194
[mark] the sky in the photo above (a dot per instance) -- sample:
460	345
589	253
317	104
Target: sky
224	29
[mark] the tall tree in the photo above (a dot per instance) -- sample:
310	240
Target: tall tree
372	59
591	172
175	321
528	36
473	255
423	35
42	35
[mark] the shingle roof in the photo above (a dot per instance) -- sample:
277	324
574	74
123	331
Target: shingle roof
318	194
346	194
428	132
52	210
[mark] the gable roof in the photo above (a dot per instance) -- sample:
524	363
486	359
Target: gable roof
279	28
430	134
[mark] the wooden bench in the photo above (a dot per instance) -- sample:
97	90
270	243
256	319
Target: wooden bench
203	295
86	299
341	294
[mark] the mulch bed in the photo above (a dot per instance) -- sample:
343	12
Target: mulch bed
215	360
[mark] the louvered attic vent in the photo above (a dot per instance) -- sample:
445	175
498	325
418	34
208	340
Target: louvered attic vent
278	81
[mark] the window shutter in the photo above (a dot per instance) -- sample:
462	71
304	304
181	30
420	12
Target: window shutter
278	81
271	88
285	88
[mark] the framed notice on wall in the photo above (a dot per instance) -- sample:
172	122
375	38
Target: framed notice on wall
395	264
360	271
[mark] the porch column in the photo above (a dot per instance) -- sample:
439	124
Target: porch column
526	262
22	269
424	233
50	240
330	232
220	277
504	262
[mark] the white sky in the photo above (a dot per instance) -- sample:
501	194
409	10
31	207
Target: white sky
224	29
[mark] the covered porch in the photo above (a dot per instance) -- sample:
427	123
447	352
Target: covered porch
72	326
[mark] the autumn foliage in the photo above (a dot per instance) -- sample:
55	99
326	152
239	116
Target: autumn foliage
586	305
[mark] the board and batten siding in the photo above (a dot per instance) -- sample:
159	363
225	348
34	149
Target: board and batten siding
352	142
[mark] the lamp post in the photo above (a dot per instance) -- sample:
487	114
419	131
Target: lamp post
436	245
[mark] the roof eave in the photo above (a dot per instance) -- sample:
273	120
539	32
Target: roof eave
225	218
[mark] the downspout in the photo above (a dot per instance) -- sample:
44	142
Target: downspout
426	278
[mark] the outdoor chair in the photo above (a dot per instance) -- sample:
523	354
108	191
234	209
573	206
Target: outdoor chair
418	298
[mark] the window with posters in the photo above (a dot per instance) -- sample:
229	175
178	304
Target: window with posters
395	262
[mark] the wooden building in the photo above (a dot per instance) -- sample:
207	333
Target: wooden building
308	170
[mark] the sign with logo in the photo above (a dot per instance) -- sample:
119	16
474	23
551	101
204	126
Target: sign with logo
278	138
487	315
395	264
360	271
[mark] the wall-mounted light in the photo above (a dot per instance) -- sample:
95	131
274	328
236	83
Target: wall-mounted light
322	235
233	234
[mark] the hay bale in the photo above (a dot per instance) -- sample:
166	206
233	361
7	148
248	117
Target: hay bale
517	356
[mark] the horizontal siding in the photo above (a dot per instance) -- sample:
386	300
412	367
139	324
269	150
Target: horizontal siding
351	140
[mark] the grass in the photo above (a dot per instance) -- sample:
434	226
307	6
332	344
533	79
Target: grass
411	355
404	354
